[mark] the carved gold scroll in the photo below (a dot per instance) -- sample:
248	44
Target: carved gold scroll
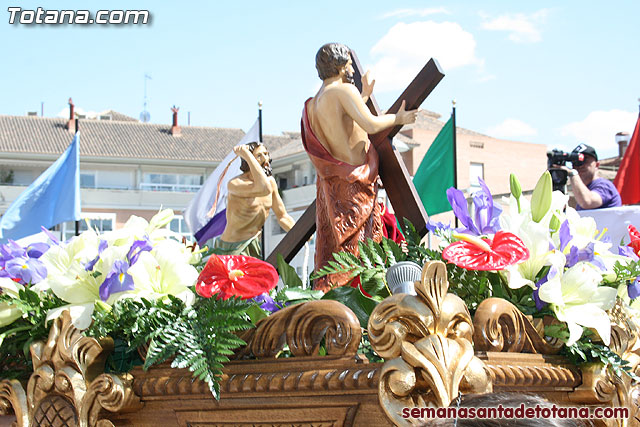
303	327
500	326
68	386
427	342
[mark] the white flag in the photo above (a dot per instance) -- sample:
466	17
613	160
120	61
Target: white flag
196	216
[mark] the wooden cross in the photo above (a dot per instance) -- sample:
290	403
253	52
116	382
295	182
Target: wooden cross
393	172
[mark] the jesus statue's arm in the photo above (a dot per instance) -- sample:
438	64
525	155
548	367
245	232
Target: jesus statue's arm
354	106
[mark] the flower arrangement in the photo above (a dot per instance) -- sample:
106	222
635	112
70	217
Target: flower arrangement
538	254
145	288
140	285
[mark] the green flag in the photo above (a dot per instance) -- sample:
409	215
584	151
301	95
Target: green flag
436	172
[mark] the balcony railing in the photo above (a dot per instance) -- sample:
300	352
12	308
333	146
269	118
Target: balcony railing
180	188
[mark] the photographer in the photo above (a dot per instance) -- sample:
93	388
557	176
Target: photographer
589	190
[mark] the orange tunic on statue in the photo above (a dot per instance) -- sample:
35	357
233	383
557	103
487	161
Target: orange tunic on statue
346	207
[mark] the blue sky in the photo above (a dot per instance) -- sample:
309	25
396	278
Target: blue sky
556	73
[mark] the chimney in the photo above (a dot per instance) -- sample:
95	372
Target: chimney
175	129
71	124
622	139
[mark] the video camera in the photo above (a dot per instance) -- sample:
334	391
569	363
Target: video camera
560	158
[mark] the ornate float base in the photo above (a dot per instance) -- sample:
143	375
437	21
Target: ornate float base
427	340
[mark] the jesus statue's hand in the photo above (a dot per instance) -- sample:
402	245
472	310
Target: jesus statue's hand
404	117
367	86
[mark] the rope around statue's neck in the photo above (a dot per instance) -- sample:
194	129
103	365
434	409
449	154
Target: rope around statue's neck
212	211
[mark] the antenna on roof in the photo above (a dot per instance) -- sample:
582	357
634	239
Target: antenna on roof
145	116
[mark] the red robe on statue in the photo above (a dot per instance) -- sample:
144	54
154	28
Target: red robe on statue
346	207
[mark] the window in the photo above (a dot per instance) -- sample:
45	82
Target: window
476	170
177	225
283	183
190	183
87	179
96	220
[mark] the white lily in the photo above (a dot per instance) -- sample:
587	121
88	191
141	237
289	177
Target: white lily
535	236
577	300
584	231
68	279
137	228
9	313
164	271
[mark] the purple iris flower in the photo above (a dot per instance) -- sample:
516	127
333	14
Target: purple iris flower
586	254
437	225
137	248
633	289
11	249
35	250
628	252
536	292
101	247
51	236
266	302
118	280
565	235
21	263
28	270
460	209
485	212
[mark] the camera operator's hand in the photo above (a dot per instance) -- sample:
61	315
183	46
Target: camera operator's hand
568	170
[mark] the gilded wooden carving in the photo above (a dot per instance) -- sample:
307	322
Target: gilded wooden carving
500	326
303	327
601	386
68	386
427	342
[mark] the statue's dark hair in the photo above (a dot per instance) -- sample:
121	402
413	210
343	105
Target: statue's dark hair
244	166
330	59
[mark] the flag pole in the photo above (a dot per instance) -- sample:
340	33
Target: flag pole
262	245
77	221
455	149
260	120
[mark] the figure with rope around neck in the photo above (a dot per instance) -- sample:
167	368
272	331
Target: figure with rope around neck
251	196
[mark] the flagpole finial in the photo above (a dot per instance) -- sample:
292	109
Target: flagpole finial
453	102
260	105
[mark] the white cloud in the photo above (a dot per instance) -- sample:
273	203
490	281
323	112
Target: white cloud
510	129
599	128
404	50
486	78
407	13
522	28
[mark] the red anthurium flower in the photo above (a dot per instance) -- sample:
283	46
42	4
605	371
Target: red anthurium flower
635	239
236	275
474	253
355	283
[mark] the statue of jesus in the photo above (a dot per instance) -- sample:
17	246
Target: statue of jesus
336	124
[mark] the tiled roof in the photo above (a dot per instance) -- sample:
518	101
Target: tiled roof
121	139
125	137
293	146
116	116
428	120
